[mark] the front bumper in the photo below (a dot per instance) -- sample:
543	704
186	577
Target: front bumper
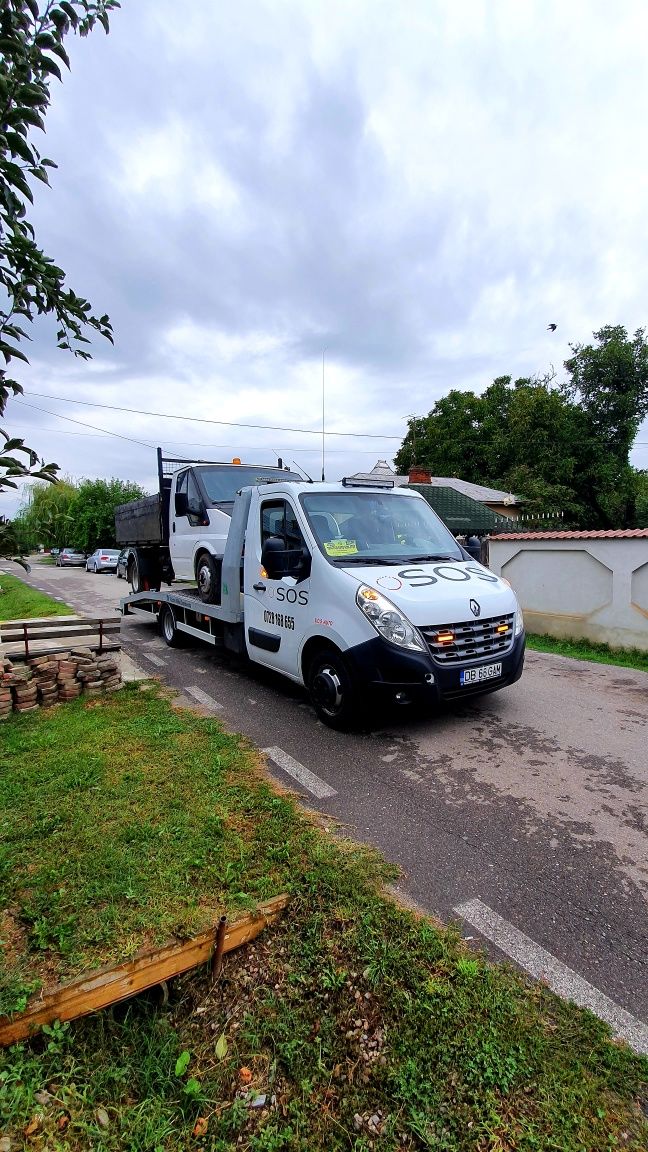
395	675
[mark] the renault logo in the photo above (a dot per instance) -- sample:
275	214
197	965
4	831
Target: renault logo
474	608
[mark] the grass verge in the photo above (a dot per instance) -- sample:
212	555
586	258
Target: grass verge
19	601
586	650
352	1025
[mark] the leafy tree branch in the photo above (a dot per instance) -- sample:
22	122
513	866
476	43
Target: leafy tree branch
32	52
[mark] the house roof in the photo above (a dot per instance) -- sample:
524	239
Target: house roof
476	491
603	534
460	513
383	471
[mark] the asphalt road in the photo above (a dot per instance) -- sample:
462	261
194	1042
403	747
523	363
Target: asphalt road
531	804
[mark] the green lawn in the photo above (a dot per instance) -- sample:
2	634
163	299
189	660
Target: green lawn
19	601
352	1025
586	650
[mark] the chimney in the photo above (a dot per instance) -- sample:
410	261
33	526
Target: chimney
418	475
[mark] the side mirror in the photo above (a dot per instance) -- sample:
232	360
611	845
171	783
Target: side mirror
273	557
181	504
279	561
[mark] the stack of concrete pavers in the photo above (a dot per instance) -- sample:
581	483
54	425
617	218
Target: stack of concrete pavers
25	689
88	672
45	671
68	685
44	680
6	684
109	671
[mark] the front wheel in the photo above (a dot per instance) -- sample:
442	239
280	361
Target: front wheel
168	629
332	692
208	579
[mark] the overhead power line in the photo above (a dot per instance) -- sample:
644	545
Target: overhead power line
118	435
205	420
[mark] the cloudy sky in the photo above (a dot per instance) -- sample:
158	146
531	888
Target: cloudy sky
412	190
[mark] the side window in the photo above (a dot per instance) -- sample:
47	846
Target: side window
194	500
181	487
278	519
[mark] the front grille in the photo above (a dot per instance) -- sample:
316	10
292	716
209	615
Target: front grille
472	639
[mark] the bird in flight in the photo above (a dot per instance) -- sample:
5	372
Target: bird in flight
551	327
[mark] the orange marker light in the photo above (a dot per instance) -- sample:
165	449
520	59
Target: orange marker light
445	637
236	460
502	628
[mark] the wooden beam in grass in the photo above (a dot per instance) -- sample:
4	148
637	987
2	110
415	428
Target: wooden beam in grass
117	982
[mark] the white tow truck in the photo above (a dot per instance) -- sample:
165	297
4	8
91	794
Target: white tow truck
357	591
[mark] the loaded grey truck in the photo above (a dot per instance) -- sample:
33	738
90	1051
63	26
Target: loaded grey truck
179	533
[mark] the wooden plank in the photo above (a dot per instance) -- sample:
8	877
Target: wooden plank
116	982
12	637
62	621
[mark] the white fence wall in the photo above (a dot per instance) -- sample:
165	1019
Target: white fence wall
596	588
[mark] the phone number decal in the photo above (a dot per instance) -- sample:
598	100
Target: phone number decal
279	619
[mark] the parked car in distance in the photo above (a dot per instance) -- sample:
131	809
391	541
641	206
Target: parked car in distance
69	558
122	564
102	560
54	552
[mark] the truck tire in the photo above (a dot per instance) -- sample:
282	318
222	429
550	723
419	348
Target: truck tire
142	576
208	579
168	629
331	690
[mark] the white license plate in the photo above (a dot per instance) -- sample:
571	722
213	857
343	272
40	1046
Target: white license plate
476	675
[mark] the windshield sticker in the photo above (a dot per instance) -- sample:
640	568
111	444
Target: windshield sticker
340	547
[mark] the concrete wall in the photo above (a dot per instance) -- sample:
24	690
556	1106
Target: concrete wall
594	588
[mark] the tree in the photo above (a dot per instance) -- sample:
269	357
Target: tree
31	284
73	515
47	518
609	383
93	511
561	448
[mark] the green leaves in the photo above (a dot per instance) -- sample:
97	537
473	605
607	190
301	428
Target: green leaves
31	284
182	1063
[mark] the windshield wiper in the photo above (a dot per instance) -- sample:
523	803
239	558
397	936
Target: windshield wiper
432	556
366	561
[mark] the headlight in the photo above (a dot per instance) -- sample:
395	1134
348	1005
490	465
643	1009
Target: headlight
519	621
387	619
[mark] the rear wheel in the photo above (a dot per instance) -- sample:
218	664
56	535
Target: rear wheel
332	693
142	576
168	628
208	579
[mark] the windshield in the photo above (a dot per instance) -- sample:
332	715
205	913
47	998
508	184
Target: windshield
366	527
222	483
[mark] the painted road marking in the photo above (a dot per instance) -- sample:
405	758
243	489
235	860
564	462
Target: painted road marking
309	780
203	698
154	659
539	963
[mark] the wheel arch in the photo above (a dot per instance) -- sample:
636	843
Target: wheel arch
313	645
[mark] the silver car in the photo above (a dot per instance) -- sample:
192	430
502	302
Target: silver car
102	560
70	558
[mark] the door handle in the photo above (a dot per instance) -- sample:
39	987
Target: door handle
174	525
259	587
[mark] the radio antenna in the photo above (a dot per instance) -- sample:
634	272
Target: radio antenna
303	472
322	414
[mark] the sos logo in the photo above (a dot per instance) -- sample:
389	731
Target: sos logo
290	595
